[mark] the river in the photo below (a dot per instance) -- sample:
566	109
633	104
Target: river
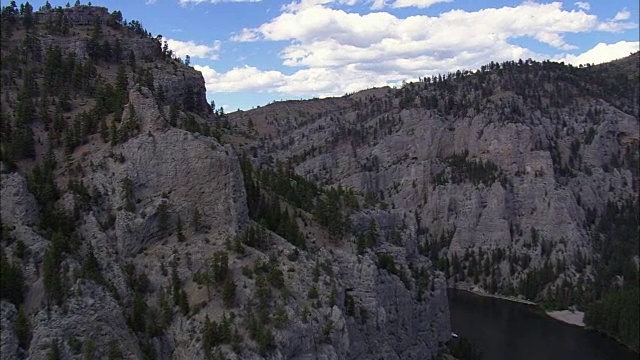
507	330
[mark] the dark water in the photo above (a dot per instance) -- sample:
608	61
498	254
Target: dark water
506	330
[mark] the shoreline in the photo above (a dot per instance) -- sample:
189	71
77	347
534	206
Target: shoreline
480	292
566	316
575	318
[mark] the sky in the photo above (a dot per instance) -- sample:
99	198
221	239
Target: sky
254	52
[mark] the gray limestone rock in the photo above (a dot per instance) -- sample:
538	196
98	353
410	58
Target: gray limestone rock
92	317
187	172
402	156
8	339
19	207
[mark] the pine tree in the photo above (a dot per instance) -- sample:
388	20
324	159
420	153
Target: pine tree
104	130
181	237
175	284
122	84
11	281
21	329
229	292
173	115
196	219
163	216
139	313
54	351
183	303
51	275
372	234
127	194
113	134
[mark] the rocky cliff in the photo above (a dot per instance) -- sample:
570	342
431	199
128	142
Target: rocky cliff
128	230
505	175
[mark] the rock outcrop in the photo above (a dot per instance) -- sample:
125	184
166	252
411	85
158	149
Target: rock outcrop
8	338
91	319
145	207
504	174
175	169
474	173
79	15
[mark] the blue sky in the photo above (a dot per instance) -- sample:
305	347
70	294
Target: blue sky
252	52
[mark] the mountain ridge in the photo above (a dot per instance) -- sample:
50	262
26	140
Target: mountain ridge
325	228
469	155
130	229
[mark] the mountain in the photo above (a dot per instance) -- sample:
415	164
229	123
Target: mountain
518	179
132	228
138	222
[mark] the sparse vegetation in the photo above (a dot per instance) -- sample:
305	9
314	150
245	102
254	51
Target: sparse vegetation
74	91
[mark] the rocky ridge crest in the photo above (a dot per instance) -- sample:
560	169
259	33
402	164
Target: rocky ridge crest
146	206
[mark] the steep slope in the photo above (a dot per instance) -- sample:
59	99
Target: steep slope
129	230
519	179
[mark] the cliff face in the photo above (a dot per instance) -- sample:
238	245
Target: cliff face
130	229
73	30
179	170
501	173
122	215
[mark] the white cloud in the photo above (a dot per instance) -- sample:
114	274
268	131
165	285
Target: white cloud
245	35
583	5
622	15
422	4
306	82
332	37
150	2
533	19
184	48
616	23
305	4
186	2
616	26
334	51
378	4
238	79
554	40
603	53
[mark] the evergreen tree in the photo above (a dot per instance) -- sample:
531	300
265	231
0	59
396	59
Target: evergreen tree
52	274
173	115
11	281
181	237
22	328
139	313
54	351
196	219
229	292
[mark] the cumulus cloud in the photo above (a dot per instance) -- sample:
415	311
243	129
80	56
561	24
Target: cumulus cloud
583	5
184	48
422	4
186	2
246	35
238	79
312	23
622	15
303	4
603	53
617	24
332	37
334	51
306	82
